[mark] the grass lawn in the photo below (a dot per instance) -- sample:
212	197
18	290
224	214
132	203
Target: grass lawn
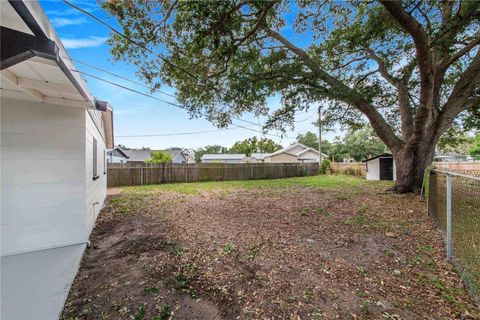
323	247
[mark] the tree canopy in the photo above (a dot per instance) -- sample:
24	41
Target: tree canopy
252	145
159	157
411	68
475	148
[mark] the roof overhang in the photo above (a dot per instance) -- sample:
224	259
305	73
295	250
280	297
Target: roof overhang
107	118
383	155
34	63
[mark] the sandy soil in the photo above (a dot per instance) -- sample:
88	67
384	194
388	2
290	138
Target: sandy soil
267	253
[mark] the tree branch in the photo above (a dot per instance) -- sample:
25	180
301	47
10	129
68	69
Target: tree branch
458	100
345	93
425	64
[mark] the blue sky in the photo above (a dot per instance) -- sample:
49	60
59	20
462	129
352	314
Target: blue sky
134	114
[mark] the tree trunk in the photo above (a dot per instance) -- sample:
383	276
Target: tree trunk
411	163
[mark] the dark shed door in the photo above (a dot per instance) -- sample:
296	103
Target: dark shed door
386	168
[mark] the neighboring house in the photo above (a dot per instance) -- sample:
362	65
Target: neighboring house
293	154
116	155
223	158
53	164
381	167
178	155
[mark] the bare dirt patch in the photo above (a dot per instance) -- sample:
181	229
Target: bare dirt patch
267	253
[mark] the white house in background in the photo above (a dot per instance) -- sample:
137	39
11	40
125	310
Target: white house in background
178	155
53	164
222	158
381	167
293	154
117	155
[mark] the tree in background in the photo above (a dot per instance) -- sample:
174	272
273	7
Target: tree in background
123	147
359	145
454	141
159	157
310	139
252	145
410	68
475	148
208	150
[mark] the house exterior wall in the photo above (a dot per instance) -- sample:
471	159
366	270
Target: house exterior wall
308	156
373	169
281	158
116	159
222	161
114	156
96	190
48	203
42	169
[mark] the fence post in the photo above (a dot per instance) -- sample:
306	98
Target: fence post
141	176
449	216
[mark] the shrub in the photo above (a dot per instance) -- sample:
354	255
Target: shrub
324	166
159	157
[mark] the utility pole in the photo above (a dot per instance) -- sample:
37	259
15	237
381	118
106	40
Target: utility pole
319	136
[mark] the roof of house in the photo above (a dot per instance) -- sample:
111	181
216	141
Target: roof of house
119	150
223	156
287	149
260	155
25	22
38	66
142	155
383	155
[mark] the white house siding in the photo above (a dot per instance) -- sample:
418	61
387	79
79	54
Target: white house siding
43	230
36	284
373	169
308	156
281	158
42	169
96	189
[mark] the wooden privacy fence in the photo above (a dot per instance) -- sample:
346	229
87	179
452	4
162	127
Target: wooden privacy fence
133	174
353	168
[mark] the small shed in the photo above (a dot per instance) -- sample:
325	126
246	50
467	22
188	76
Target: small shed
381	167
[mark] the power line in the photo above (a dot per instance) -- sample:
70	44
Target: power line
122	77
141	84
174	104
172	134
129	39
147	49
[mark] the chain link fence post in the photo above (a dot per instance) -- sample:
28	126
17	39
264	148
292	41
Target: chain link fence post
449	216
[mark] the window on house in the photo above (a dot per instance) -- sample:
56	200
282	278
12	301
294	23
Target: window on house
104	161
95	174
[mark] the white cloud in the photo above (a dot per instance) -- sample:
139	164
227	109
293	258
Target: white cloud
61	22
84	42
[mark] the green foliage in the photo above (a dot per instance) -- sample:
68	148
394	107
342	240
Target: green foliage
455	141
474	150
159	157
410	68
310	140
324	166
359	145
252	145
208	150
226	58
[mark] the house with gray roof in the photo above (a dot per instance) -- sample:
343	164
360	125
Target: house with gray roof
178	155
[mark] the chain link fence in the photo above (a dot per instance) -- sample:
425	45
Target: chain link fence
454	205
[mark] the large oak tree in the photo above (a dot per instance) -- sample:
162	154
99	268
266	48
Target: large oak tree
411	68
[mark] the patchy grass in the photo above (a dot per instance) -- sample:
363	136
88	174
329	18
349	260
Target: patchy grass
325	247
321	181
